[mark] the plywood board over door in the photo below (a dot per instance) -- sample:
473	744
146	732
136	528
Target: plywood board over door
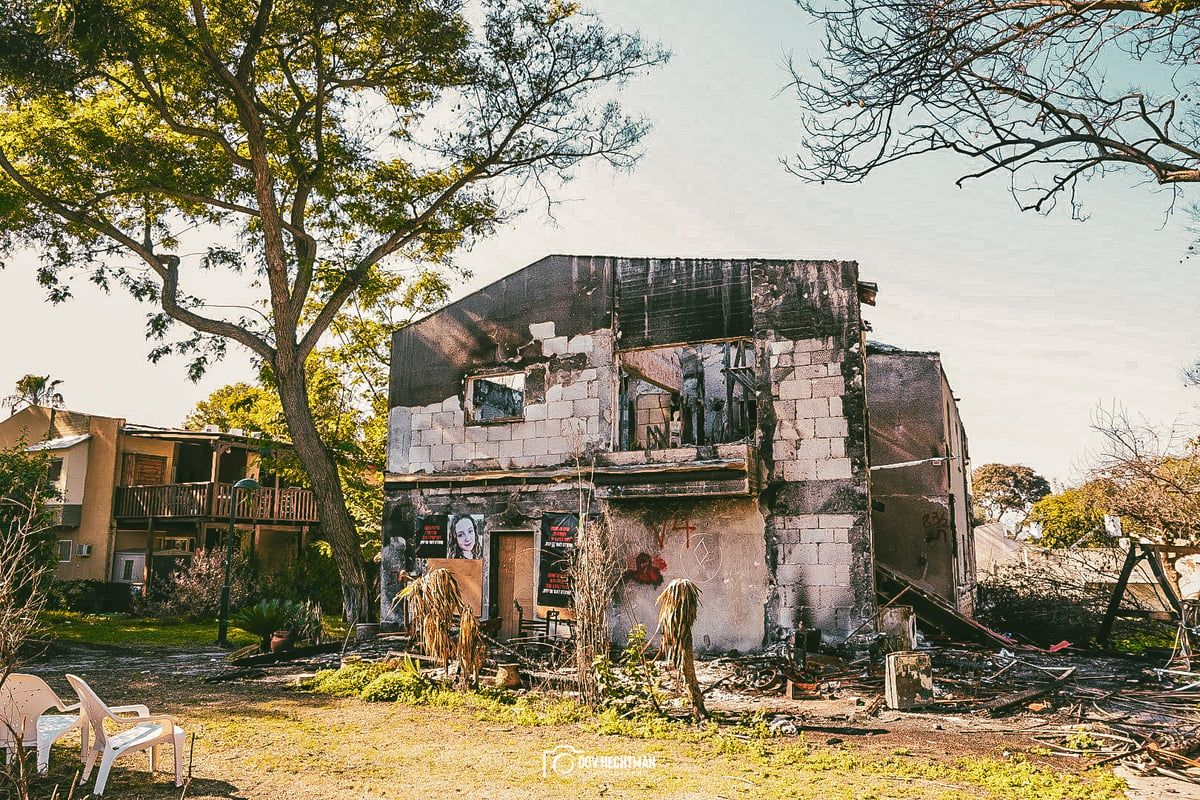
514	577
468	574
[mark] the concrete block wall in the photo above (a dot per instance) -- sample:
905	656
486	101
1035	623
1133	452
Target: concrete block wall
568	409
813	444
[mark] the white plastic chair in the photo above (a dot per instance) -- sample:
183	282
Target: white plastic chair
145	731
24	699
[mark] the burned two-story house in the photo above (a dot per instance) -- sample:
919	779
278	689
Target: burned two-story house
712	413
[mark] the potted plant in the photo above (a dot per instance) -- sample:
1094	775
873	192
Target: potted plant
270	619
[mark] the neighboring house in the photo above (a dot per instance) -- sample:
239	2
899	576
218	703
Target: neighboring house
713	411
137	500
920	474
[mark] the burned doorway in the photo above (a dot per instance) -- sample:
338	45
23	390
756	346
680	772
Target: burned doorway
514	579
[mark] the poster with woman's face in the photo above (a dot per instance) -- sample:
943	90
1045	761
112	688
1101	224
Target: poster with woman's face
464	536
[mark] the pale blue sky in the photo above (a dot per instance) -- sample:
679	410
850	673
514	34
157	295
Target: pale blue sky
1038	319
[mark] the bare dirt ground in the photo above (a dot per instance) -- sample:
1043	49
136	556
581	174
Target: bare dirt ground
259	738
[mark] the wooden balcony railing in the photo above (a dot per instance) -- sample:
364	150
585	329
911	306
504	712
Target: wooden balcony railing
212	500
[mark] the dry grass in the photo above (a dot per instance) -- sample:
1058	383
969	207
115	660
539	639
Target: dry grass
262	741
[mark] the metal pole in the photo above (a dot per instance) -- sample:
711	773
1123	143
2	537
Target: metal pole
223	619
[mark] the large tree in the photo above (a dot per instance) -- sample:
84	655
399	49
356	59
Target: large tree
310	147
1044	92
1000	489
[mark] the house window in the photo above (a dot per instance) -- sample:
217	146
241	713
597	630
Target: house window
55	470
65	547
497	398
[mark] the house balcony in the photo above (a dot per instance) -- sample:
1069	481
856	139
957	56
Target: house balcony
212	500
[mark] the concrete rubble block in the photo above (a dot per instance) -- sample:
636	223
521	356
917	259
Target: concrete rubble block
541	330
556	346
907	680
899	625
834	468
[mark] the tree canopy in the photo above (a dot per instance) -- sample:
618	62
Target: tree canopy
309	149
34	390
1073	517
1044	92
999	489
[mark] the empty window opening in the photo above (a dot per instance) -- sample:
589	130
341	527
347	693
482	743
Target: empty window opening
497	398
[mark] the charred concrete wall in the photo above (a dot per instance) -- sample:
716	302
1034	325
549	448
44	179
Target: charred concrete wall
718	544
797	555
812	424
920	474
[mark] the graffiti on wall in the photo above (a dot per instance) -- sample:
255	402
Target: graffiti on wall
937	526
647	569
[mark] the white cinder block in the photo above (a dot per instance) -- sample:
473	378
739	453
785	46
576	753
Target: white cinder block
587	407
835	407
785	346
499	433
536	447
535	412
560	410
800	470
511	449
812	449
541	330
580	344
846	521
440	453
576	391
828	387
832	427
462	452
834	469
554	393
795	390
451	404
812	409
421	421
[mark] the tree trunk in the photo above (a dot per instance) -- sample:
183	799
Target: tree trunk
336	522
693	685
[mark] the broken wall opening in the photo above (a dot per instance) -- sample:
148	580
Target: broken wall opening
693	394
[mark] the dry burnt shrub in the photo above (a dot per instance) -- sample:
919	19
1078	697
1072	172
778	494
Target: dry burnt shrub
1060	595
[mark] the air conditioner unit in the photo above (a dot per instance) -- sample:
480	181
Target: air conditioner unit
255	434
83	550
237	432
212	428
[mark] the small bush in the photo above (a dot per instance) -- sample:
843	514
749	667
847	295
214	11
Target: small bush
393	686
194	591
89	597
350	679
313	577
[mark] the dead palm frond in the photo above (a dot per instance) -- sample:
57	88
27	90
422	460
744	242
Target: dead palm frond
436	603
471	649
678	606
